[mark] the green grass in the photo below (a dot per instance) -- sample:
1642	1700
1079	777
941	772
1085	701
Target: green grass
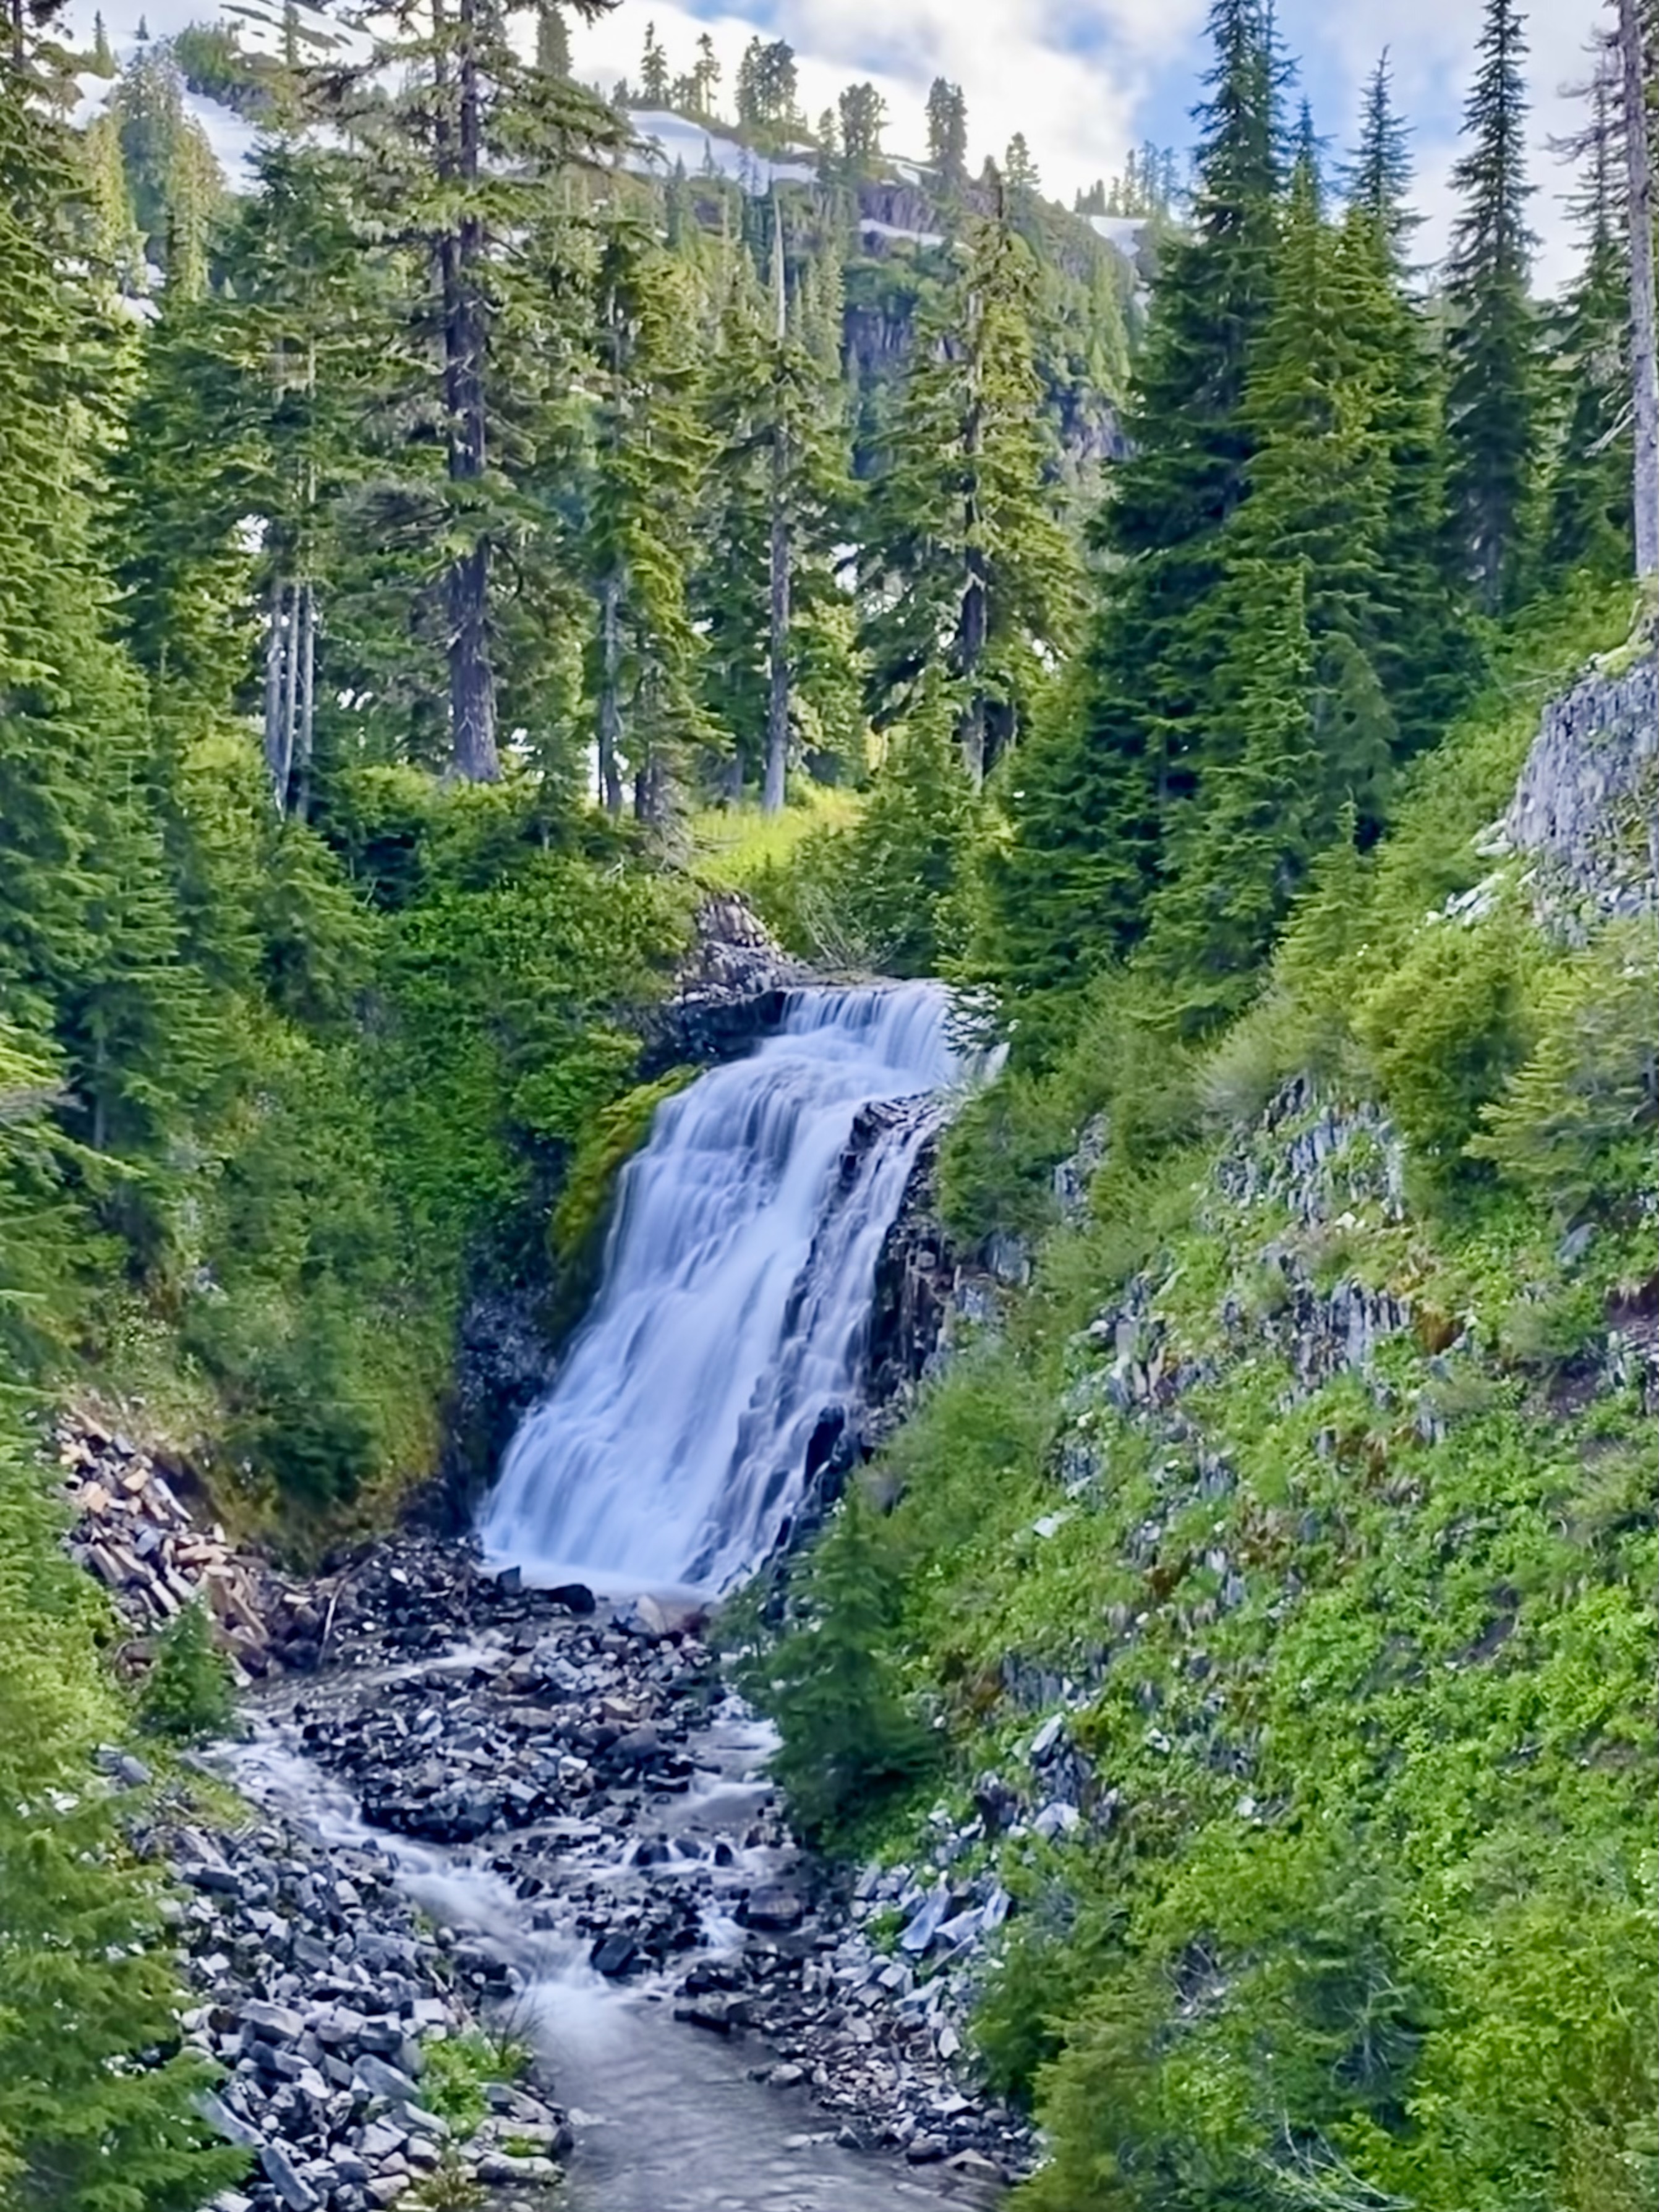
733	846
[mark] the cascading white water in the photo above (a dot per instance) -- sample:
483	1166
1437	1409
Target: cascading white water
733	1308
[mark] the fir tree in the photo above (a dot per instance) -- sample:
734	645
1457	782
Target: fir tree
947	132
1240	847
1492	337
648	462
968	572
863	118
1589	510
461	166
654	71
776	496
552	40
1090	822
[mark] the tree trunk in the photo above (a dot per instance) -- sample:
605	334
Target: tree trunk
472	677
611	731
777	699
276	752
974	623
1645	369
302	745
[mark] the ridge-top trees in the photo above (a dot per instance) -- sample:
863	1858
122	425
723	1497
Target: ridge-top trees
460	172
968	576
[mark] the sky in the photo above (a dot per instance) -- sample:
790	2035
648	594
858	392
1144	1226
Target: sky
1085	80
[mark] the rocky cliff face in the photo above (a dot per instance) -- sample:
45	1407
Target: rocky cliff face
1586	810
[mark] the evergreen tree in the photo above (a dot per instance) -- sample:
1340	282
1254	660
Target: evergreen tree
863	118
461	165
1088	823
552	40
654	71
647	463
1242	845
947	132
776	497
705	76
967	574
1378	177
87	2118
1492	335
1589	522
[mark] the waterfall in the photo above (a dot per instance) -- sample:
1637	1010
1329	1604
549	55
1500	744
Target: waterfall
734	1304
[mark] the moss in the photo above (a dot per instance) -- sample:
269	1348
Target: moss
577	1229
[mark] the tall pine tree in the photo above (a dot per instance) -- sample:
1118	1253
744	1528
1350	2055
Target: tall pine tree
1492	331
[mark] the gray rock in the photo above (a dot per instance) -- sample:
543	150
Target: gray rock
285	2178
774	1908
272	2023
383	2080
223	2122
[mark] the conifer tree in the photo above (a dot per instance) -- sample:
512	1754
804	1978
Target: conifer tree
552	40
460	167
1492	335
863	118
648	457
1092	801
1242	846
654	71
775	495
967	574
1590	511
947	132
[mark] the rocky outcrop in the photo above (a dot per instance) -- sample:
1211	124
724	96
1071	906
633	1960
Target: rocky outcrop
557	1741
1586	810
730	991
132	1527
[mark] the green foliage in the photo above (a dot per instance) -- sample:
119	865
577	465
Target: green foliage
1447	1028
581	1220
889	892
93	2118
1573	1125
187	1692
456	2072
849	1738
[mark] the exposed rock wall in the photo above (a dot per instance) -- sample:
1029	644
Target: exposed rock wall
1587	806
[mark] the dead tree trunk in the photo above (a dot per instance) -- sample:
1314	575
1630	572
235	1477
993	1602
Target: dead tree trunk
1644	368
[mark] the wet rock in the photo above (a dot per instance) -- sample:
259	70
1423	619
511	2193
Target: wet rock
775	1908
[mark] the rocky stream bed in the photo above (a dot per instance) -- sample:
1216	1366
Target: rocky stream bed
525	1813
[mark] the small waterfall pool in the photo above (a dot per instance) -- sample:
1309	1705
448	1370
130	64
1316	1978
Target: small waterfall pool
734	1305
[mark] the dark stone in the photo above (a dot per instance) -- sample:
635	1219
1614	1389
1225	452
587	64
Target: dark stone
774	1908
574	1597
613	1956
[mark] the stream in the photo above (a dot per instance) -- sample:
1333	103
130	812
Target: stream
668	1458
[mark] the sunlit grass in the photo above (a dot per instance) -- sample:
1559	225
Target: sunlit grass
733	845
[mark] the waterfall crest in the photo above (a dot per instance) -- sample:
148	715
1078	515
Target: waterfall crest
733	1307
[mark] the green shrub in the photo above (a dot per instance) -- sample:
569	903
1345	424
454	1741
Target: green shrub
187	1693
849	1738
1446	1028
1574	1124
